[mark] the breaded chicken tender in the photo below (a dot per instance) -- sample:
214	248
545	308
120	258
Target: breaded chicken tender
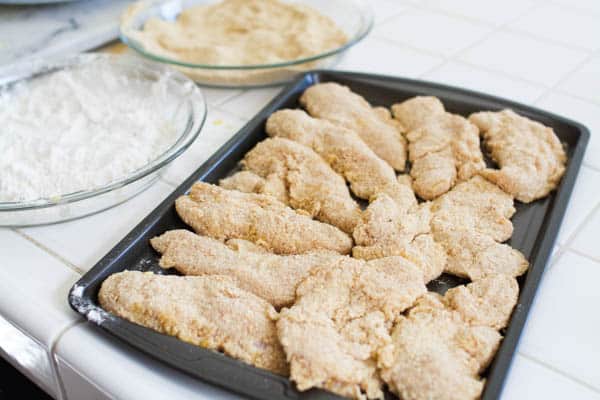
434	354
474	255
229	214
488	301
469	222
529	154
476	205
385	231
269	276
443	147
302	179
345	152
341	319
208	311
339	105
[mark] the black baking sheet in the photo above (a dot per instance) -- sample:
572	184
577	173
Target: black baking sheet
535	230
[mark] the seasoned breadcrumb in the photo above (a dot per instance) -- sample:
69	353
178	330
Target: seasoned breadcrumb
529	154
341	319
339	105
434	354
303	180
443	147
269	276
227	214
207	311
344	150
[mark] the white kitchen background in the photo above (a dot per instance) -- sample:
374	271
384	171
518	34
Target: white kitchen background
544	53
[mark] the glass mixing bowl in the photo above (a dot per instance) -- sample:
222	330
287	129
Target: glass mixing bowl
354	17
188	118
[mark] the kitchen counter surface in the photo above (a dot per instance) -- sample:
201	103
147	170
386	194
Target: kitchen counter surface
537	52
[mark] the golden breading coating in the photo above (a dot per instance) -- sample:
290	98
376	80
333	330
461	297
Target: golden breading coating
476	205
269	276
530	155
488	301
339	105
474	255
340	320
227	214
208	311
307	181
434	354
245	181
385	231
443	147
345	152
417	110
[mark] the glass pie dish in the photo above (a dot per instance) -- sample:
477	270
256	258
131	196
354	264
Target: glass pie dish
187	117
354	17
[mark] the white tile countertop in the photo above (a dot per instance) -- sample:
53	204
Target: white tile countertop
543	53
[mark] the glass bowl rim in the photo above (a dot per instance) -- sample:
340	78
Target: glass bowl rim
367	17
196	120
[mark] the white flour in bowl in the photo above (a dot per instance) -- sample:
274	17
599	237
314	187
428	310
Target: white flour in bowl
81	128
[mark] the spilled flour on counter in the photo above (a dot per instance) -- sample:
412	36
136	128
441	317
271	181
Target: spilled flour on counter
81	128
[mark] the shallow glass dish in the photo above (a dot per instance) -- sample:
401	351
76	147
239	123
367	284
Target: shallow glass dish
354	17
188	118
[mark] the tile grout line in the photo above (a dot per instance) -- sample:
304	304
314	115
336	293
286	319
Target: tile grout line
595	168
578	229
575	96
558	371
52	351
584	255
564	78
52	253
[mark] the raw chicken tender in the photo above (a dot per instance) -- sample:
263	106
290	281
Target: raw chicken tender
341	319
339	105
344	150
443	147
488	301
227	214
434	354
530	155
207	311
269	276
301	179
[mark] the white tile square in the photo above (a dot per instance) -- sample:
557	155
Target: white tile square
586	196
219	128
86	240
249	103
368	56
584	6
587	240
563	325
92	363
562	25
491	12
430	31
458	74
585	82
33	288
216	96
580	111
524	57
528	379
384	9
